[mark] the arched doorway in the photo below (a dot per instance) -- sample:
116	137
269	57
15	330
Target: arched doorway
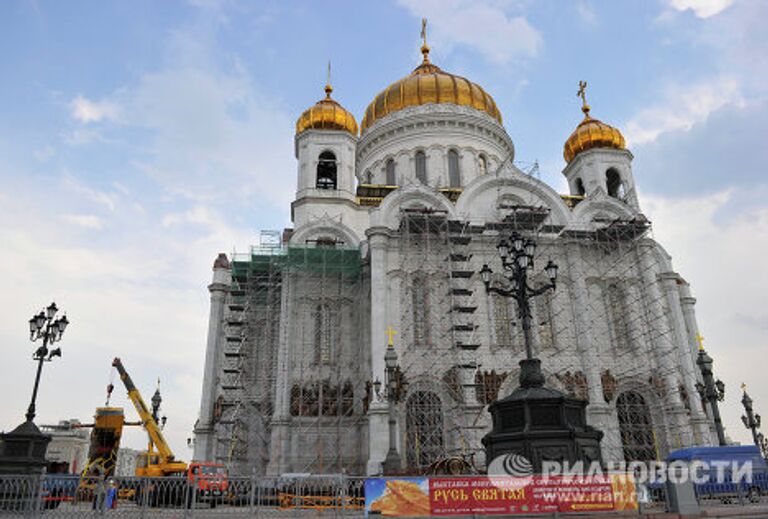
636	427
424	441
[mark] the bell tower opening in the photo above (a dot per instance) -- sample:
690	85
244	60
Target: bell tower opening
613	184
326	171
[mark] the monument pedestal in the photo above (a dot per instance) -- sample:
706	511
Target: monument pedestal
23	450
541	424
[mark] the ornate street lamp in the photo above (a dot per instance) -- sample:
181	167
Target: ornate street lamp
44	326
712	391
536	422
22	451
752	422
517	262
394	388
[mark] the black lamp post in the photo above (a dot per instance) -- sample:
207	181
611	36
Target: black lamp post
517	261
712	391
752	422
536	422
394	388
43	326
23	449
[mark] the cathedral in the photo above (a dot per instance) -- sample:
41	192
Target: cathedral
392	221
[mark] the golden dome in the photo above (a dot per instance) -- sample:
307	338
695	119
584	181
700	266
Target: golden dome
429	84
591	133
327	114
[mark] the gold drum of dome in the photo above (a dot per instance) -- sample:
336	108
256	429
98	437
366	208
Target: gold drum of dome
429	84
327	114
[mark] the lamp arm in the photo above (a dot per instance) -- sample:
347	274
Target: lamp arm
502	291
542	289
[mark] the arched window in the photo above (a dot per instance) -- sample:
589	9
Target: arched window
421	167
326	332
580	187
389	169
618	314
482	165
326	171
502	321
420	302
614	184
454	175
424	442
635	427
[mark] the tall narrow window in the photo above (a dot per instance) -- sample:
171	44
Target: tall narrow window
390	173
482	165
635	427
368	177
454	175
424	442
421	167
420	302
326	171
614	184
502	321
326	328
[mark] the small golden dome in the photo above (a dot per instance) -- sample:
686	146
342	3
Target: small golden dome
591	133
327	114
429	84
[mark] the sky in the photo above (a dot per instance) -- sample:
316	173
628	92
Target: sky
140	139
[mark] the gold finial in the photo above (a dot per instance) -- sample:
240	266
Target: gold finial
424	46
390	333
743	387
700	340
328	87
582	93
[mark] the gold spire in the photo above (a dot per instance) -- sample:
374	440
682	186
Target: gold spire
582	93
700	339
328	87
424	46
744	387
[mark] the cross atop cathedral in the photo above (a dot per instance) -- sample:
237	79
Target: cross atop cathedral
328	87
582	93
424	46
390	333
743	387
700	339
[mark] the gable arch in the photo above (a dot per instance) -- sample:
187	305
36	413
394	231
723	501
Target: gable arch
478	200
323	228
411	196
586	210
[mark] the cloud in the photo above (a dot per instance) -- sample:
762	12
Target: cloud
586	12
718	257
701	8
483	26
199	215
108	200
88	221
681	107
87	111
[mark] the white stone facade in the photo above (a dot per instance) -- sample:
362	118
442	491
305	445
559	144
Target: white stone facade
297	331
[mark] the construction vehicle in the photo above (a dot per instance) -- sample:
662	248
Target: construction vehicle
209	480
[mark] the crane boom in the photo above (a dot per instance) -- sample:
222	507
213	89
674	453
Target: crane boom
155	434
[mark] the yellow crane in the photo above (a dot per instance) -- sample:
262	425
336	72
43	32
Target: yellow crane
159	459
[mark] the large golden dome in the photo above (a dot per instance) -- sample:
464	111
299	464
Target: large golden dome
591	133
429	84
327	114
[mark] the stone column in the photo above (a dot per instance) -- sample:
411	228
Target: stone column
280	437
204	430
702	426
662	339
599	413
378	434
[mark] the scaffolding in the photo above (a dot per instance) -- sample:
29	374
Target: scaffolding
292	301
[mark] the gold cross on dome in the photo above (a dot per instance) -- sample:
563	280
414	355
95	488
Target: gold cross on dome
743	387
424	30
582	93
700	340
390	333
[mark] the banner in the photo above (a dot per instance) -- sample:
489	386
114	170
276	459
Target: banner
441	496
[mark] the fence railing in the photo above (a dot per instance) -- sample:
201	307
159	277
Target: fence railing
55	495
